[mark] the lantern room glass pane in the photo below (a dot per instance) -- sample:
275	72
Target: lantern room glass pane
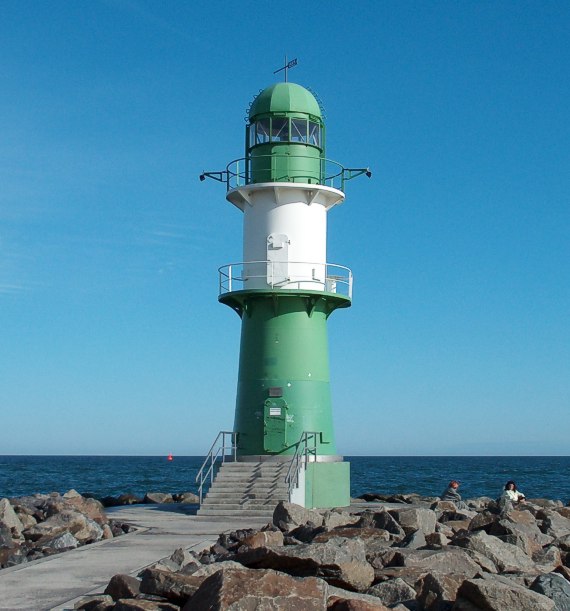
280	130
262	131
251	133
314	134
298	130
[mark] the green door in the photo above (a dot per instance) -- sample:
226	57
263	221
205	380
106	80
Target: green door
275	425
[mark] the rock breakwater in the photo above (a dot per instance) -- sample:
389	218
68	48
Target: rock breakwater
415	553
32	527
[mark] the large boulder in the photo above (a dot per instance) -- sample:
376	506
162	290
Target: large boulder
437	592
413	519
9	519
505	556
393	592
337	518
342	562
287	516
175	587
493	595
375	539
553	523
239	589
382	520
122	586
445	561
73	521
61	541
556	588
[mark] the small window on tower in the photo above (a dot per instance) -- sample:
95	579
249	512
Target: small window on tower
280	130
314	134
262	131
298	130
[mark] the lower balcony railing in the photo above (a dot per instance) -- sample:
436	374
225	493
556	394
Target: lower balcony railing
285	275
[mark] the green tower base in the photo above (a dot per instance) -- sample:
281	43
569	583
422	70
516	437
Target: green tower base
323	485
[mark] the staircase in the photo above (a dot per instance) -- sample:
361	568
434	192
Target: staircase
246	489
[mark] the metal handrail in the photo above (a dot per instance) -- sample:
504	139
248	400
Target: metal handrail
216	451
306	448
337	278
238	172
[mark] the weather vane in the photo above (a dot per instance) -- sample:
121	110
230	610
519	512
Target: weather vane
287	66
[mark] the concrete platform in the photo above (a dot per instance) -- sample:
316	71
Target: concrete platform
57	582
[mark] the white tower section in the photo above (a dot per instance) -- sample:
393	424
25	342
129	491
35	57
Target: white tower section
285	234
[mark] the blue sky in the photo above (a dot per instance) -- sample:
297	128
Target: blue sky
112	340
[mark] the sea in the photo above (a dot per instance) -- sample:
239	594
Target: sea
536	476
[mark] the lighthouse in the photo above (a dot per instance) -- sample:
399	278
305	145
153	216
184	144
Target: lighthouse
284	290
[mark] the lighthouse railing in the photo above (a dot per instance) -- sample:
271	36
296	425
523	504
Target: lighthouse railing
290	275
305	452
279	167
224	446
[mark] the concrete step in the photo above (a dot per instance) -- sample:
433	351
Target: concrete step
246	490
241	506
243	513
248	484
224	494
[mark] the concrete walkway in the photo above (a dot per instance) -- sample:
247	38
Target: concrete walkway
57	582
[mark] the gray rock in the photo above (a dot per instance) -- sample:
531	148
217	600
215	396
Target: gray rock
210	569
483	521
261	589
157	498
505	556
414	540
187	498
382	520
554	524
63	541
493	595
393	592
438	592
122	586
344	600
289	515
341	562
548	559
175	587
436	540
95	602
336	518
415	519
9	519
556	588
445	561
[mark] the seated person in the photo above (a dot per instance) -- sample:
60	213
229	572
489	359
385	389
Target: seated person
451	494
510	493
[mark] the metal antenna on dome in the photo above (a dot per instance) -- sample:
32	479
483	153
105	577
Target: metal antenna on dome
287	66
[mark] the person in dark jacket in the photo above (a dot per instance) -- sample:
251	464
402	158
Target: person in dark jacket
451	494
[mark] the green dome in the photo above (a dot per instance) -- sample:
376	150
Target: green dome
285	97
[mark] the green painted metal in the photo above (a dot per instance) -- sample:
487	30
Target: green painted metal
327	484
285	97
285	137
283	365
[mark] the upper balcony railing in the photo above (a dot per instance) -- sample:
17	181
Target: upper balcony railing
289	275
285	168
